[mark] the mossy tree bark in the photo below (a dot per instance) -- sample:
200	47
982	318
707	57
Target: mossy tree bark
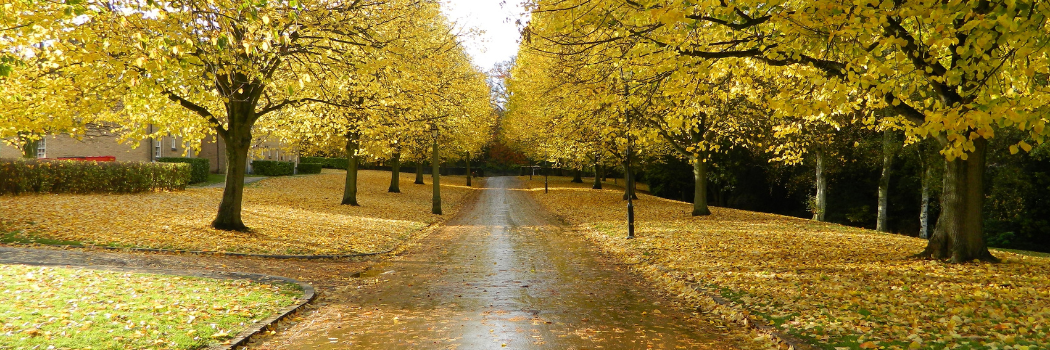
628	181
29	147
888	150
238	138
229	215
924	205
395	173
435	163
468	170
597	177
419	172
350	190
959	234
700	187
820	199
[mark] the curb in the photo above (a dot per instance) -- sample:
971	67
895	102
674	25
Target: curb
309	294
205	252
242	338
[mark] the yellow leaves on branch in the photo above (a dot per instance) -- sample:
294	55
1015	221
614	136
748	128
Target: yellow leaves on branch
825	281
288	215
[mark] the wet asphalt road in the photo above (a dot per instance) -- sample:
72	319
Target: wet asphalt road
503	274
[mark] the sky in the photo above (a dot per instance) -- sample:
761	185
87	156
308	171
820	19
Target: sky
500	38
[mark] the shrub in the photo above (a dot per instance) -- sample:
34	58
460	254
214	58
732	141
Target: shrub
309	168
69	176
272	168
328	163
201	167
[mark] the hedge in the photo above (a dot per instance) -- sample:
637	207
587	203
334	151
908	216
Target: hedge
19	176
329	163
272	168
309	168
201	167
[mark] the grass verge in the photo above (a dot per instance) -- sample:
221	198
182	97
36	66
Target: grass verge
836	286
290	215
212	179
48	307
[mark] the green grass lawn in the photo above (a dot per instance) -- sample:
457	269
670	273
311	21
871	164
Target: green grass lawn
82	308
212	179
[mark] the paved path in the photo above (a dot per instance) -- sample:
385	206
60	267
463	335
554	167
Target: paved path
503	273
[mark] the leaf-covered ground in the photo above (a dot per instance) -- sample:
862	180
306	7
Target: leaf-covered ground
48	307
837	286
287	215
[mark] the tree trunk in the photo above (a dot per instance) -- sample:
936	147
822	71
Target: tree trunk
700	188
628	182
597	177
395	173
959	234
435	164
238	140
924	207
29	149
468	170
884	181
577	177
419	173
350	190
820	202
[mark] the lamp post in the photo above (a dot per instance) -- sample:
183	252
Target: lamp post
628	178
630	197
435	171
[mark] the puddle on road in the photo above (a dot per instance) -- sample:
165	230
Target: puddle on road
502	276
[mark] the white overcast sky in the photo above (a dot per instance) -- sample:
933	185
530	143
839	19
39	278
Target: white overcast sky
500	38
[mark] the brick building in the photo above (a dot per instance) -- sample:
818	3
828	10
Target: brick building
99	141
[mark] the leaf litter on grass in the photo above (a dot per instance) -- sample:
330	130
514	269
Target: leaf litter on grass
49	307
839	286
287	215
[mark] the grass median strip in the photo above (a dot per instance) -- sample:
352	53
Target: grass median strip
84	308
837	286
288	216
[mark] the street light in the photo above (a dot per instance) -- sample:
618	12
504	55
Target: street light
629	178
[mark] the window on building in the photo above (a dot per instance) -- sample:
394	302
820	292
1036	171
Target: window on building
174	144
41	148
156	149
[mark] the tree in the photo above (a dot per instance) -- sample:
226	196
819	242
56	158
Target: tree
954	72
224	65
